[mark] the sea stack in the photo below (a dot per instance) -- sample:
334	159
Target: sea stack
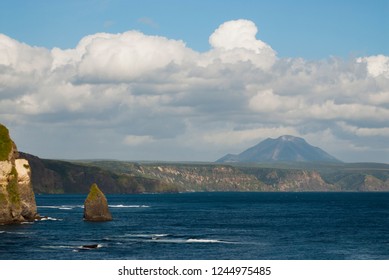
17	199
96	206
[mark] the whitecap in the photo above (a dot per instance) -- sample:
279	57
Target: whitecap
62	207
49	219
146	235
19	232
194	240
128	206
57	247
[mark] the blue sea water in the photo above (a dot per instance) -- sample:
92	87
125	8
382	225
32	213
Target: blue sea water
208	226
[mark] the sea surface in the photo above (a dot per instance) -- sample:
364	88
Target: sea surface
281	226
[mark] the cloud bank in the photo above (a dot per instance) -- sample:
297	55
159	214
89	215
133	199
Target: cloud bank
135	96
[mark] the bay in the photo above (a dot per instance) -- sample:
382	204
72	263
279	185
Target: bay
282	226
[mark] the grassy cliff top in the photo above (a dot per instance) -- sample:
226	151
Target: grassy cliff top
5	143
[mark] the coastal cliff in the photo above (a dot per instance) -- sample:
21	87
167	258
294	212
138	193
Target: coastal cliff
55	176
17	199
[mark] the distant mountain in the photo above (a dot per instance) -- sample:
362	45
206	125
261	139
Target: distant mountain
285	148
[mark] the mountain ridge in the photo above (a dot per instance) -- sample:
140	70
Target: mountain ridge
286	148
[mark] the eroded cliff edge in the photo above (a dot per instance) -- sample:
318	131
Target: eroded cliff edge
17	199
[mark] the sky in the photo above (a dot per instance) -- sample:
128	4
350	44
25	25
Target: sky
194	80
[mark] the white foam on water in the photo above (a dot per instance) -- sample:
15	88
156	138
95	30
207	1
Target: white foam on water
61	207
146	235
128	206
49	219
19	232
194	240
57	247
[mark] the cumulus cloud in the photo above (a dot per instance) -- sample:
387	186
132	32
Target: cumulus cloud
235	41
127	56
376	65
151	97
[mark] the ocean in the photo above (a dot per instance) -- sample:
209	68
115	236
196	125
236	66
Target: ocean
244	226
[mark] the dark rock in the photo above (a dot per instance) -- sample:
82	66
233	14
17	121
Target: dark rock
96	206
91	246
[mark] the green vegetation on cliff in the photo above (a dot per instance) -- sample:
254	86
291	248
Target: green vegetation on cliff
5	143
159	177
12	188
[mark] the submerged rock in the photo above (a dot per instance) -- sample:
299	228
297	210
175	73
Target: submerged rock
17	199
96	206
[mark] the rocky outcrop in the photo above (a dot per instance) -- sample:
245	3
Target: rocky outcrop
96	206
17	199
195	177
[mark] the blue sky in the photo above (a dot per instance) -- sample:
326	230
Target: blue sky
303	28
194	80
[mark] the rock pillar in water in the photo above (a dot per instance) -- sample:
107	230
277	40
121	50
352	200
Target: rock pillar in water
96	206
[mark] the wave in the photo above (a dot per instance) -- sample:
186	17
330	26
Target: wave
48	219
128	206
193	240
71	207
75	248
146	235
190	240
61	207
18	232
163	238
58	247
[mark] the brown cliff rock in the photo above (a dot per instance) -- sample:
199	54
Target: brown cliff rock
96	206
17	199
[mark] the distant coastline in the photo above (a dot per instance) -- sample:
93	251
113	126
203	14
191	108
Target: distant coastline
116	177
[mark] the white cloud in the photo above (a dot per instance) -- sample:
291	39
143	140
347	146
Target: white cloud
136	140
235	41
156	92
379	98
127	56
266	101
365	131
22	58
246	136
376	65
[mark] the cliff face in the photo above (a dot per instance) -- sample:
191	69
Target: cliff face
17	199
55	176
203	177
